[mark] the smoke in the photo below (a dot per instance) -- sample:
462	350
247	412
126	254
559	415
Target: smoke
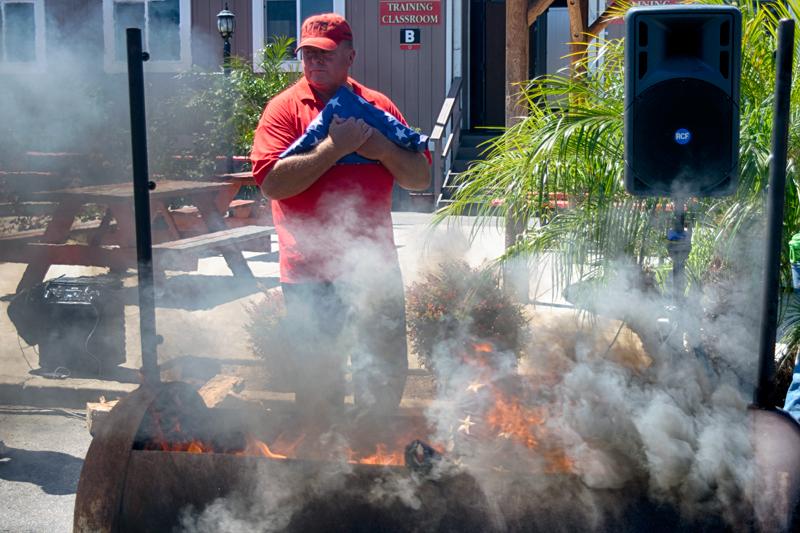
74	100
642	404
632	414
639	395
276	497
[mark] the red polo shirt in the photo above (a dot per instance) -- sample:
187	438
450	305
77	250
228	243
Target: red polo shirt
330	228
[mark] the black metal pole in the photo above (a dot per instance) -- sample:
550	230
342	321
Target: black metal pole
141	198
775	199
226	70
679	246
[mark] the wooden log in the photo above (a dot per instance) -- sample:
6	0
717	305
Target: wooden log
97	413
219	387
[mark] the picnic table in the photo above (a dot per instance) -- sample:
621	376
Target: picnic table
241	211
111	241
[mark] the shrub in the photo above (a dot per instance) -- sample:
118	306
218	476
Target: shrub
269	338
462	304
219	112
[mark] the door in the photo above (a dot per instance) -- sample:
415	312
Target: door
487	63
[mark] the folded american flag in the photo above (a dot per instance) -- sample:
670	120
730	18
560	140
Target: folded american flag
345	103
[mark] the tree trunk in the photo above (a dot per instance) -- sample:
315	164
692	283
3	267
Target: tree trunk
515	275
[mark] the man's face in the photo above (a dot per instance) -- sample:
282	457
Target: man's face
327	70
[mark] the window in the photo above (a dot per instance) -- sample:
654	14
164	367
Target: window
165	32
284	17
21	34
275	18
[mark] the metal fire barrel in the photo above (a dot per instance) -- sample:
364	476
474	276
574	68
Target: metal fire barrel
126	489
123	488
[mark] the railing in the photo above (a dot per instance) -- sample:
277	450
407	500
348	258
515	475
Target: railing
446	136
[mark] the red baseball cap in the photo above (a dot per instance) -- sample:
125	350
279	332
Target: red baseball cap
324	31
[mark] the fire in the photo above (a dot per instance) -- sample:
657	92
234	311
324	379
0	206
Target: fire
558	463
507	410
514	421
381	457
195	447
258	447
483	347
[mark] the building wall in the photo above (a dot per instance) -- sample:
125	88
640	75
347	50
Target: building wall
206	42
414	79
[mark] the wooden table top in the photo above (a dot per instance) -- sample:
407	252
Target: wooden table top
124	191
247	175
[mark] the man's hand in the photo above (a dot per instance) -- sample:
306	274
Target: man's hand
376	147
348	135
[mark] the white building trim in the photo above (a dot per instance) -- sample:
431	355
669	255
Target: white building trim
260	24
113	65
40	43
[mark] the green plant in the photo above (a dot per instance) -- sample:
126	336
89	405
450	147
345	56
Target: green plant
219	112
571	144
456	301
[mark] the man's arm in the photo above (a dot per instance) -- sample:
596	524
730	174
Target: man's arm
295	174
410	169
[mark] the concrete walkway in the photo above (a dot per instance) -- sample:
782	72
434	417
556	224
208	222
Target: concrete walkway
202	314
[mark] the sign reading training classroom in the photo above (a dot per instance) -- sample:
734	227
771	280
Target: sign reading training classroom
410	39
411	13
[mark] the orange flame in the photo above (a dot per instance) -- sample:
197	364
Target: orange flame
558	463
483	347
257	447
381	457
195	447
512	420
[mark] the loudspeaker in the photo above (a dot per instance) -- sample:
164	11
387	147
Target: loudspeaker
83	324
682	70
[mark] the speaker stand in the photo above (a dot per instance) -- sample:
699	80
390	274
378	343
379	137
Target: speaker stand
679	246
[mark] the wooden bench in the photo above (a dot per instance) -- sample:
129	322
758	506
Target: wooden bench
241	208
25	208
33	234
238	239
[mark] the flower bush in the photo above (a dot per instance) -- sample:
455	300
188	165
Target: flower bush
458	303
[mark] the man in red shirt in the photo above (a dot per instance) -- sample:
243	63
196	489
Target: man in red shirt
338	260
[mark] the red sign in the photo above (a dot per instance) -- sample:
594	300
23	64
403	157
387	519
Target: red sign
426	13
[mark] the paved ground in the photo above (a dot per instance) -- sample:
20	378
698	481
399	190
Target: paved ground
203	313
39	468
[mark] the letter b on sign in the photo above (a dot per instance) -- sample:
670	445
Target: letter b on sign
409	38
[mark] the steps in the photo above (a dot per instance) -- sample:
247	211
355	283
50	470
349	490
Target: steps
471	149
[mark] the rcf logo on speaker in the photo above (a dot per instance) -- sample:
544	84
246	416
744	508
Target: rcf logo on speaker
683	136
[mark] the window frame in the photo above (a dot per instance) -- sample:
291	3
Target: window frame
260	25
113	65
40	42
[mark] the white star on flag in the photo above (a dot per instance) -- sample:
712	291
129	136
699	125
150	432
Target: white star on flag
475	386
334	103
400	133
466	424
